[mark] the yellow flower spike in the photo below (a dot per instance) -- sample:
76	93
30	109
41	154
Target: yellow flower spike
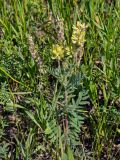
78	36
78	40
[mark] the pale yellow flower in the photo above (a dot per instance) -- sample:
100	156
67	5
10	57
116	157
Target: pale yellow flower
75	2
78	36
69	51
57	51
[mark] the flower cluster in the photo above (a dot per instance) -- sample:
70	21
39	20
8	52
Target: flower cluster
58	51
61	50
78	36
33	50
78	40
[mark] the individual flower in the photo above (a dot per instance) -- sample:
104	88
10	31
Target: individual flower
57	51
75	2
78	36
69	51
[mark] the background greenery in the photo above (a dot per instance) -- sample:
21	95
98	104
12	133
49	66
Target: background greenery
58	108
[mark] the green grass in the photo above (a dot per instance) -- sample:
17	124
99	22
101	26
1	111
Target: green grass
59	92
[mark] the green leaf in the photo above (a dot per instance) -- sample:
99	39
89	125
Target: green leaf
64	156
70	153
48	130
32	118
7	74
